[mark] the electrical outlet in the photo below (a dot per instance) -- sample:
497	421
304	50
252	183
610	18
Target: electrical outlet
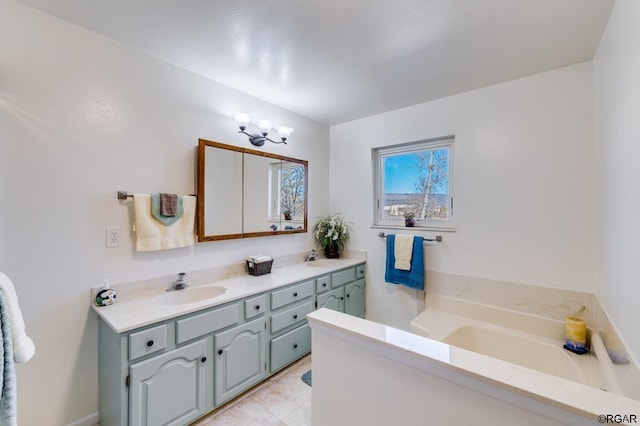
113	237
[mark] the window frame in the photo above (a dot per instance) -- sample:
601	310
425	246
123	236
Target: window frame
380	153
276	214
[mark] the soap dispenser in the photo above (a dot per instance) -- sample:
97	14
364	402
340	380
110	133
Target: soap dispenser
106	296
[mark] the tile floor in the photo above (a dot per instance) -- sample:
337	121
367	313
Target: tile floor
282	400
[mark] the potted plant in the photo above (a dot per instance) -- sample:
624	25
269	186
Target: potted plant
287	214
331	233
408	219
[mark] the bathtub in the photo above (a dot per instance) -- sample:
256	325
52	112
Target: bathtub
521	339
367	373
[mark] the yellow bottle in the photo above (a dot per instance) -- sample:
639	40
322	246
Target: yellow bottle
576	335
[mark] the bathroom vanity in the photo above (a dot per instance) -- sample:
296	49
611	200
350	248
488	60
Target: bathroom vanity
171	358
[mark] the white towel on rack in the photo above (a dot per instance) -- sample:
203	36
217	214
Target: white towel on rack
403	251
153	235
23	347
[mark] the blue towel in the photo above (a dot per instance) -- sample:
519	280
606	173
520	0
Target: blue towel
8	399
414	278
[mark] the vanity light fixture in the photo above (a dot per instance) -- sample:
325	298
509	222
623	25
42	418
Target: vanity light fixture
242	121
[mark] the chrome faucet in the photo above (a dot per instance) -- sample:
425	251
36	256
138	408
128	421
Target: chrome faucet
180	283
312	256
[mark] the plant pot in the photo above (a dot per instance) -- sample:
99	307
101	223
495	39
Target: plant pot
287	217
331	251
408	222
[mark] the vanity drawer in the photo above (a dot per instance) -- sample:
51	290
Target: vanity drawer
291	316
290	346
359	272
291	294
342	277
199	325
147	341
323	283
255	306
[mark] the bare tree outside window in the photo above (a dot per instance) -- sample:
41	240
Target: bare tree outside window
414	181
432	184
292	190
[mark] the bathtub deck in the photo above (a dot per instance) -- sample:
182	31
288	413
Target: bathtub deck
529	350
523	339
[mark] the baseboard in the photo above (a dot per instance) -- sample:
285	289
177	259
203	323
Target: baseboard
90	420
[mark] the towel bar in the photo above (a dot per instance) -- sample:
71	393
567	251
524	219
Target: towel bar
123	195
437	239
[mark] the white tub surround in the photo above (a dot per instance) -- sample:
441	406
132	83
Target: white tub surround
547	302
528	340
536	310
368	373
144	302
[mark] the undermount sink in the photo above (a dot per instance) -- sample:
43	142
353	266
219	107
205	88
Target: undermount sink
321	263
189	295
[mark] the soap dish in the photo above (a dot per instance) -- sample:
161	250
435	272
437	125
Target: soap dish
579	351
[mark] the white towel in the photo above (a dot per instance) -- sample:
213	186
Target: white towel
152	235
259	258
23	347
403	249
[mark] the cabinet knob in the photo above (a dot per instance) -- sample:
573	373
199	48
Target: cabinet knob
295	346
341	298
203	359
220	351
324	284
295	316
295	294
149	343
348	295
257	307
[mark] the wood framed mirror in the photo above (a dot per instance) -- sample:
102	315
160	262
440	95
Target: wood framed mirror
246	193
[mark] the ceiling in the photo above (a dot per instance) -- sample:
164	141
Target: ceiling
338	60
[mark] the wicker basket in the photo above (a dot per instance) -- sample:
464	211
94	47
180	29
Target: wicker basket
259	268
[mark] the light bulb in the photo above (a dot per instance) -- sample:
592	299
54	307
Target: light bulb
265	127
242	120
284	132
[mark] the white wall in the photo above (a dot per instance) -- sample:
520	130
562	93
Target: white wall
617	110
523	177
80	118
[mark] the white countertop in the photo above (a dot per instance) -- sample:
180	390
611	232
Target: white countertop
140	308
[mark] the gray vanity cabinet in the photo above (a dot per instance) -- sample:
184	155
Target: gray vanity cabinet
354	299
240	359
174	371
290	334
169	389
290	346
333	299
347	294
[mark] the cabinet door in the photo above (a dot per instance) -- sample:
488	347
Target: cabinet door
333	299
354	298
169	389
240	359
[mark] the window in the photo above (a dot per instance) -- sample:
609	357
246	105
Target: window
287	191
414	180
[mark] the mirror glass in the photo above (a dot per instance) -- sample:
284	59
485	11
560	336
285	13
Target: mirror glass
246	193
223	175
258	207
